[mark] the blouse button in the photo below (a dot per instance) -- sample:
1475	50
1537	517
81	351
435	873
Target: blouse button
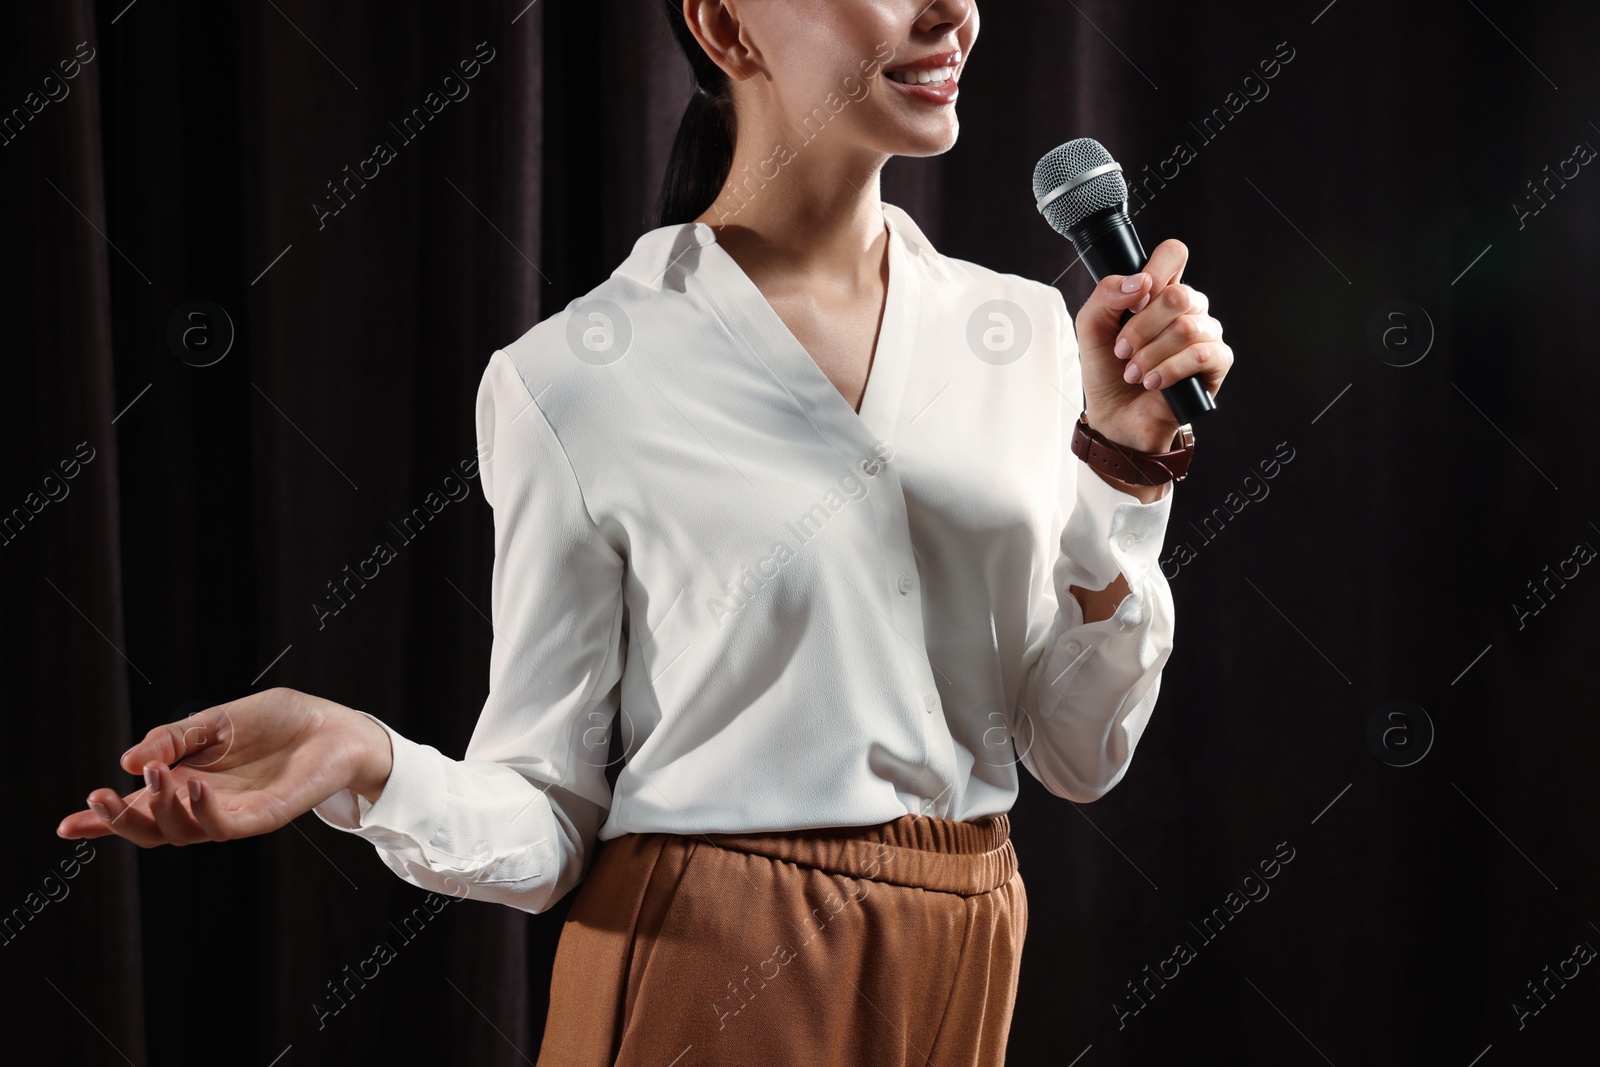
929	702
1128	541
1073	648
905	584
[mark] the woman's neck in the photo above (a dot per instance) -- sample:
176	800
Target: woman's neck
801	206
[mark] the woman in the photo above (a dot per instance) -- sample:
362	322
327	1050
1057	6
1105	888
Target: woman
788	499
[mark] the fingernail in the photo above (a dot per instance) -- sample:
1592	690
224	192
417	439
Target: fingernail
1131	374
150	779
194	790
1144	301
61	828
1131	283
100	810
1123	349
1153	380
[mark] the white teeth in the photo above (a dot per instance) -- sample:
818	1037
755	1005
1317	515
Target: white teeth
937	76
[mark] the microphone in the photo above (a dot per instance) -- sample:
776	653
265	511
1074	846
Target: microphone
1080	191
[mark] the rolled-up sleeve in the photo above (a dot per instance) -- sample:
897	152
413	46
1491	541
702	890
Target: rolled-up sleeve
1090	687
514	821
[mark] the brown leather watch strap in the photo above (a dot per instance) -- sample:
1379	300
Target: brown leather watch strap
1131	465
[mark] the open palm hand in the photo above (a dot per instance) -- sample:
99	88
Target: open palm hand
248	767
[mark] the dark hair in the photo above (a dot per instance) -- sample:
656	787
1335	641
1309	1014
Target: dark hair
702	153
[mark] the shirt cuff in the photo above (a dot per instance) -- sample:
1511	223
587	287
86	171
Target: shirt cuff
1112	532
406	813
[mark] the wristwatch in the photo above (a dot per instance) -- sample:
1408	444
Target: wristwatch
1131	465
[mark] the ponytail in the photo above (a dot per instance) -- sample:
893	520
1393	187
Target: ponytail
702	153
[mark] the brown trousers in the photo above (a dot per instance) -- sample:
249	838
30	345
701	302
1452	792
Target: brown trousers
894	944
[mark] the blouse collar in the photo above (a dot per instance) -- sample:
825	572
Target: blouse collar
657	251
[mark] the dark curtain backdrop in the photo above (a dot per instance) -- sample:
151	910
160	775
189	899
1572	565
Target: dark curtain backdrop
178	522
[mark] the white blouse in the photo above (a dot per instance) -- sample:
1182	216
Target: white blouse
795	614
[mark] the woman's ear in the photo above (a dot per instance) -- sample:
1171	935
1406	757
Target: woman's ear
722	32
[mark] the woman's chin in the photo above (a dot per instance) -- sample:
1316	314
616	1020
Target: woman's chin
926	142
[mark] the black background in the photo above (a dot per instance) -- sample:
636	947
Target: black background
1384	564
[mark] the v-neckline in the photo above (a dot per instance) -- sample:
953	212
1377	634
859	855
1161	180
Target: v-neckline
754	317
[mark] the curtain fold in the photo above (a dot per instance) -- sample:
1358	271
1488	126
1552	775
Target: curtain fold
72	941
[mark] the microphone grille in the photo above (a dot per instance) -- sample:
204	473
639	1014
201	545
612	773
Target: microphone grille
1066	163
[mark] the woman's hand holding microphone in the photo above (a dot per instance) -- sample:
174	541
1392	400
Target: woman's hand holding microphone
248	767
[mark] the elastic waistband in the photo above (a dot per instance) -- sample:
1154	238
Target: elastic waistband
942	855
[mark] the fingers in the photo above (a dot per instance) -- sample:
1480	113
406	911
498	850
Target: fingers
84	824
1209	360
206	811
166	822
1164	308
1166	263
95	821
174	822
1169	298
1180	334
1099	317
170	742
120	817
